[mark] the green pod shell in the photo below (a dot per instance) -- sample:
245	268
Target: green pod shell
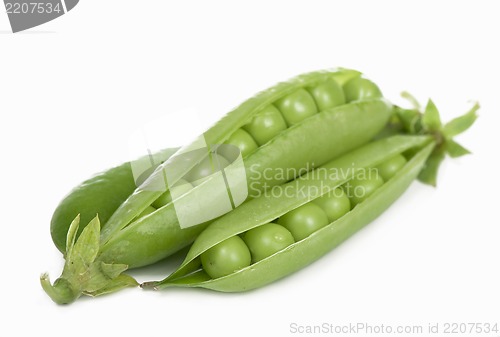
101	194
300	254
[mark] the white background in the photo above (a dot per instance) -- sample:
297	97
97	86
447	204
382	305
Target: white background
73	90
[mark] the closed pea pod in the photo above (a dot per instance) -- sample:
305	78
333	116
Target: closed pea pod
102	194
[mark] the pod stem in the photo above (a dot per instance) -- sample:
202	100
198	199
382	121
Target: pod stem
61	291
418	120
84	273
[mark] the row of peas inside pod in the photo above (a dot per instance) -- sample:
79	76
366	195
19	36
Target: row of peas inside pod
261	242
269	122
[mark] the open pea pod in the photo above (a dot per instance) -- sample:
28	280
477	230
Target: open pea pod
267	208
395	172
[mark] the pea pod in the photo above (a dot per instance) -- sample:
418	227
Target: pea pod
263	210
274	260
102	194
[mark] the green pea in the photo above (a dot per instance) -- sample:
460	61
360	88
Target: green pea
226	257
304	220
297	106
389	168
265	240
361	88
266	125
335	204
242	139
181	187
328	94
359	189
206	167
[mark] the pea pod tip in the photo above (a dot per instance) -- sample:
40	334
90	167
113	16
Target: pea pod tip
151	285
